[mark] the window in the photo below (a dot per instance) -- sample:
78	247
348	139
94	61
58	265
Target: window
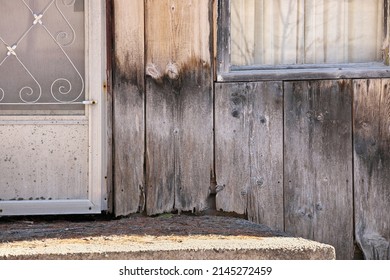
321	35
42	43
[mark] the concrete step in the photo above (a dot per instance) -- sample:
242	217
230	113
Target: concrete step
167	237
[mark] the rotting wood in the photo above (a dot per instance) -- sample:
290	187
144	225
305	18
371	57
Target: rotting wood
128	76
249	150
179	105
372	167
318	163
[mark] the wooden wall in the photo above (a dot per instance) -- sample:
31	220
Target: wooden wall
308	157
163	105
179	105
128	106
371	148
249	150
318	191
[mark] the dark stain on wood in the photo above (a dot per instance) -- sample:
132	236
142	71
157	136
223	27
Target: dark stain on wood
128	107
179	138
371	139
175	75
237	103
374	154
128	74
128	148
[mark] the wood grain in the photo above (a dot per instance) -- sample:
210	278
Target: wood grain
249	150
109	199
179	105
223	37
129	94
372	167
318	163
316	72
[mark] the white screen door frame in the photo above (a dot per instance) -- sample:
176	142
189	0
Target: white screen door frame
94	119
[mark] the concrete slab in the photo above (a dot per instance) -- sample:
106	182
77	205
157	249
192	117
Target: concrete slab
167	237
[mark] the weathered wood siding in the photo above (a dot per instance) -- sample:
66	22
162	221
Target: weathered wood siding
372	167
128	107
249	150
179	105
318	163
109	107
309	157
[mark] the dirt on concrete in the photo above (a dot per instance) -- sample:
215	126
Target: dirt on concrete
166	236
35	228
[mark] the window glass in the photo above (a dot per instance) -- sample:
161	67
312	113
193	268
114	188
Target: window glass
42	57
288	32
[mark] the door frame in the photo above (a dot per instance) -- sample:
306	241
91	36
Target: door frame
96	89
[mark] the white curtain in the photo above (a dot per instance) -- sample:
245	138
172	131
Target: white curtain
275	32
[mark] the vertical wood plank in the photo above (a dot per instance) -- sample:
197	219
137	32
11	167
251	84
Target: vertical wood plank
109	199
128	120
249	150
223	37
372	167
179	104
318	163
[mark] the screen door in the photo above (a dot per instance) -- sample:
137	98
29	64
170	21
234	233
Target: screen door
51	107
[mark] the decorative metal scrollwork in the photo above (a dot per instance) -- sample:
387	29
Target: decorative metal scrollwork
62	36
62	89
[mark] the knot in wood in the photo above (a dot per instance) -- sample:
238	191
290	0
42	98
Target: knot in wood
219	188
153	71
260	182
172	71
309	114
319	207
320	117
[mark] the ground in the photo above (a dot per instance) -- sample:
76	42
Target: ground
166	236
65	227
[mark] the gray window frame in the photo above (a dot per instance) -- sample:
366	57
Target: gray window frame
230	73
